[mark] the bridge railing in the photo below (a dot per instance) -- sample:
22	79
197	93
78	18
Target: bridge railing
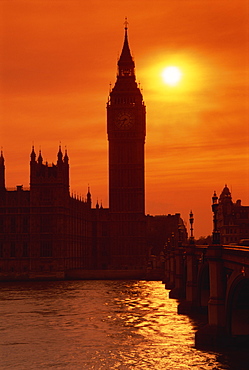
203	276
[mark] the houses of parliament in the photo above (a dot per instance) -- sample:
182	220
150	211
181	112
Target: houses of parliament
47	233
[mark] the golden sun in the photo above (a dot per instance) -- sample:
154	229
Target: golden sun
171	75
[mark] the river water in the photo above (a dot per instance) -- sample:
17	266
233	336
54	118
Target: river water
99	325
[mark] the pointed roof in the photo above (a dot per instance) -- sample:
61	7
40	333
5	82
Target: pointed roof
33	155
126	53
226	191
66	159
88	196
59	155
226	194
40	159
1	158
126	80
125	60
214	198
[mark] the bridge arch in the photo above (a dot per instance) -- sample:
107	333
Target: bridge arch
237	308
203	287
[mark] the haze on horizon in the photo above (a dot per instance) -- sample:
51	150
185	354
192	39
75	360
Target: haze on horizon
57	62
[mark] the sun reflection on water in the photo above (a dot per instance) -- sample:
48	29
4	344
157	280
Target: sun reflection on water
97	325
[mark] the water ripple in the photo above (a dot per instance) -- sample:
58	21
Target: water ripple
98	325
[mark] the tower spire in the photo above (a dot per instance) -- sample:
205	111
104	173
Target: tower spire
89	197
59	155
126	79
126	23
126	65
66	159
40	159
1	157
191	221
33	155
2	171
126	134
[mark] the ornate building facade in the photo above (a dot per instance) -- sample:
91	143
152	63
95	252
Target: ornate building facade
47	233
126	135
44	231
232	219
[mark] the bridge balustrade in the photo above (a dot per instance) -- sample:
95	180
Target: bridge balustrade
212	279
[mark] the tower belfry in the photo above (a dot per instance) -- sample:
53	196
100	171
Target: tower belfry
126	65
126	136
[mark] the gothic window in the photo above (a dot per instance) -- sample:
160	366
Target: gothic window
1	250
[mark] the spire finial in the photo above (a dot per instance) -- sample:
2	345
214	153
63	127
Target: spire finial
191	221
40	159
1	156
126	65
126	23
33	155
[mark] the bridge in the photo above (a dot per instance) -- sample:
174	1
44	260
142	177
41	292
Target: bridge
214	280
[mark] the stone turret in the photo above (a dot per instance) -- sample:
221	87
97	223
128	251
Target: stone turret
55	173
2	172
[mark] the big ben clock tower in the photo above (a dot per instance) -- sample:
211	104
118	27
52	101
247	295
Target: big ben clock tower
126	135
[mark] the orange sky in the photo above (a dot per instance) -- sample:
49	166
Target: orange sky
58	59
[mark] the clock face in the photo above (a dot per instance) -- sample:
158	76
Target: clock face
124	120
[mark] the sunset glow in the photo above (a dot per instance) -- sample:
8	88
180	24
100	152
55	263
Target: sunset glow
171	75
58	60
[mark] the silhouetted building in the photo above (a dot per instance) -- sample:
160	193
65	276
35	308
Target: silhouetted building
45	232
163	230
126	135
232	218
